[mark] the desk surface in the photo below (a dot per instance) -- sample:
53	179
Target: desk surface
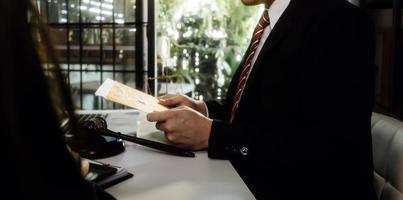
158	175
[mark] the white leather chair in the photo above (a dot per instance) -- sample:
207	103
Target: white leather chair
387	138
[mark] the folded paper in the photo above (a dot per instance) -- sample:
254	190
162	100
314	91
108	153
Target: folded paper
125	95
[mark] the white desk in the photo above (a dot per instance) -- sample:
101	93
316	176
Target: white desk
158	175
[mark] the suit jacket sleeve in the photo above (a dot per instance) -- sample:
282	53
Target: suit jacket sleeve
216	110
333	101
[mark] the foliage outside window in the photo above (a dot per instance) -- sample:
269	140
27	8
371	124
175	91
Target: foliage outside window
201	42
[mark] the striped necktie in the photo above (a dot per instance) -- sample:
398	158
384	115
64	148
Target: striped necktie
246	68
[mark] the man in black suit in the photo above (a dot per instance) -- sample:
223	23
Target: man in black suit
296	125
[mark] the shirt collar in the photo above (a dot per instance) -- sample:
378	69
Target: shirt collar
276	10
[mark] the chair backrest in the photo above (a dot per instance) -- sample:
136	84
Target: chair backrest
387	138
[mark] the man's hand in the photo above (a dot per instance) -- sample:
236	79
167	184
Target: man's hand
173	100
184	127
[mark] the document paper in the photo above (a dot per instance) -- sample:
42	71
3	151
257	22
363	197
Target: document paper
125	95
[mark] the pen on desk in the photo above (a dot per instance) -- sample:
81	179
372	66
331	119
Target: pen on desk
148	143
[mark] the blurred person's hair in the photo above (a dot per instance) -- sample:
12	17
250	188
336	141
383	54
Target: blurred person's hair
34	100
57	83
43	54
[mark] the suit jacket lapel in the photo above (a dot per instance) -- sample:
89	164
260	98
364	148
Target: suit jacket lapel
280	31
282	28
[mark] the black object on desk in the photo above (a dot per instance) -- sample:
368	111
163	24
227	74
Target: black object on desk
89	144
99	125
105	175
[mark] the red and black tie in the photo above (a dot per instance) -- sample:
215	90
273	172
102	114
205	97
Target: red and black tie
246	68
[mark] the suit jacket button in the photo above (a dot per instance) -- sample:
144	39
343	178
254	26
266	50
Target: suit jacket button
244	151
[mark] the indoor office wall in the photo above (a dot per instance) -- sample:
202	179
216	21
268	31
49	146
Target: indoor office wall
95	40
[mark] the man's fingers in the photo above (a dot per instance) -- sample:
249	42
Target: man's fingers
172	101
175	140
166	96
171	137
164	99
160	126
164	126
159	116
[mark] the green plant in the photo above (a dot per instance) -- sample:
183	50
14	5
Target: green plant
202	42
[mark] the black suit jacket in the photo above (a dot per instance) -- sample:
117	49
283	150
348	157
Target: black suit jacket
302	129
